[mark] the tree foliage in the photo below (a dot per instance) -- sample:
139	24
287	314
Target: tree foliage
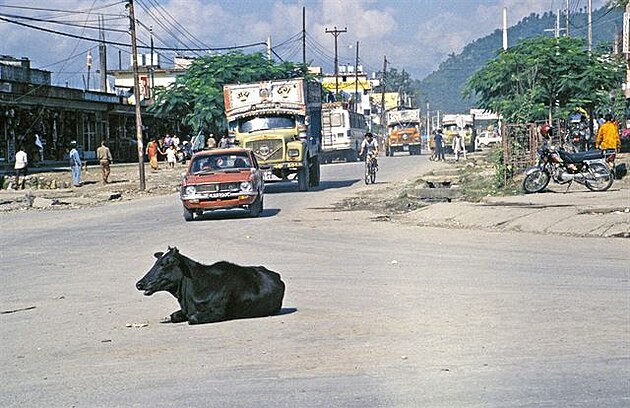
196	97
541	77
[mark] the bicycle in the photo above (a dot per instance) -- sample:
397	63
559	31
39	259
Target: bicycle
370	169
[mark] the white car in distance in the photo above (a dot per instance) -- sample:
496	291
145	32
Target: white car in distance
486	139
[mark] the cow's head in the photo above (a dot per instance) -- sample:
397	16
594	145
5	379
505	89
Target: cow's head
165	274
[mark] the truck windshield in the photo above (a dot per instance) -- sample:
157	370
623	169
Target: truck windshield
266	123
404	125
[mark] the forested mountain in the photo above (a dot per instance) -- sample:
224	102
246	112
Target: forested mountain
442	88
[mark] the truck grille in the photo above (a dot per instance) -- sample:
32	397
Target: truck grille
267	150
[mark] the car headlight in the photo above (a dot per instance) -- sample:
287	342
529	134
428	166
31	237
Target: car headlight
294	153
246	186
190	190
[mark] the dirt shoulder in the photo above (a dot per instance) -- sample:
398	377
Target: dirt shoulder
50	187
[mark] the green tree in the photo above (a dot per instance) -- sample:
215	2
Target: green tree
542	76
197	96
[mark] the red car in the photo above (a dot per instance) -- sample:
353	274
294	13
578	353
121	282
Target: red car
222	179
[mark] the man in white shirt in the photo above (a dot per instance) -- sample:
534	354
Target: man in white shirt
21	167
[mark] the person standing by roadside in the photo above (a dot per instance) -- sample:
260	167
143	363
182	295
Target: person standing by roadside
21	167
224	143
438	140
104	156
75	164
608	135
152	152
211	142
458	146
171	156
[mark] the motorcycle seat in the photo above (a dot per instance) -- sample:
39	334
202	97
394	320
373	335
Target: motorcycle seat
579	157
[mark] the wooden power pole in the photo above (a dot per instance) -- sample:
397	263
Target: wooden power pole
383	116
137	94
335	34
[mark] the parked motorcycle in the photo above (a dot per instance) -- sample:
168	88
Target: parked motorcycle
592	168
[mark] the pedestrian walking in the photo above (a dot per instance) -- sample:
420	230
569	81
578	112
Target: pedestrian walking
438	140
104	156
608	135
75	164
152	151
20	167
171	156
459	147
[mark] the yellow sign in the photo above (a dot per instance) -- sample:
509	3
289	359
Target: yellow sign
392	99
347	86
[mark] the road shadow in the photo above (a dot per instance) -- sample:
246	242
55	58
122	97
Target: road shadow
292	187
286	311
235	214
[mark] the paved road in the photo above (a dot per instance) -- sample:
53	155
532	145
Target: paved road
376	314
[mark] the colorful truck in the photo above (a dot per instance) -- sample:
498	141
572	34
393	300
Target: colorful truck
403	132
281	122
453	124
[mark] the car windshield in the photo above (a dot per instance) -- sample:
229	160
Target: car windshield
220	162
266	123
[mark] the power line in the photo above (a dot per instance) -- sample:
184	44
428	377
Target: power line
234	47
183	30
90	11
59	22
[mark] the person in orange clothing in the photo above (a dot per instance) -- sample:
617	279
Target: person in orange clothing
608	135
152	151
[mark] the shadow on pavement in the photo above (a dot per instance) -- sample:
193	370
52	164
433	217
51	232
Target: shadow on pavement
292	187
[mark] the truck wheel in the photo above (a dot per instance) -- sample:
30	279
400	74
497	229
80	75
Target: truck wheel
315	172
188	214
303	178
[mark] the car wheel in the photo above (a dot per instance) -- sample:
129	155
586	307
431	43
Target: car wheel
257	206
188	214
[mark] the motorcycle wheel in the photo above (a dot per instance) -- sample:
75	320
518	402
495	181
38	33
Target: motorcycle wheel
603	177
536	181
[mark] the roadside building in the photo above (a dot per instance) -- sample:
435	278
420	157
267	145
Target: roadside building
30	106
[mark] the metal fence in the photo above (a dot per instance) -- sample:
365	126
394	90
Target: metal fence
519	144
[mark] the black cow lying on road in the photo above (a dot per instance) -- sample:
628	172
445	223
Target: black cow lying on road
213	293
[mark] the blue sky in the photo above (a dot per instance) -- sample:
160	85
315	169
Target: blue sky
415	35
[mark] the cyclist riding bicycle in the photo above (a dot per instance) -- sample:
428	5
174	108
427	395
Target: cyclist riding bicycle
370	145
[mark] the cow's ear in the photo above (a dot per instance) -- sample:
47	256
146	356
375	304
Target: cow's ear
158	255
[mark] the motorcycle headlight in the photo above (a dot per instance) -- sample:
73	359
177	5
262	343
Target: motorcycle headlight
246	186
294	153
405	137
190	190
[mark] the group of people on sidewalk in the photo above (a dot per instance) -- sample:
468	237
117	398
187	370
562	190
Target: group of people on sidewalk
103	154
458	145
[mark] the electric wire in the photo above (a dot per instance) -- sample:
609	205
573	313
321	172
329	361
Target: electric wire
177	25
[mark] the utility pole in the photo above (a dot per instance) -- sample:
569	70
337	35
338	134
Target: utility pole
356	80
89	68
136	90
335	34
505	28
567	18
102	54
625	41
304	36
556	29
589	10
151	65
383	97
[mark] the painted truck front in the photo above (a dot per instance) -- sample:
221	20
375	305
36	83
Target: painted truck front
403	132
280	121
453	124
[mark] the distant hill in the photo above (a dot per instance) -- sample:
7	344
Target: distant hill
442	88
